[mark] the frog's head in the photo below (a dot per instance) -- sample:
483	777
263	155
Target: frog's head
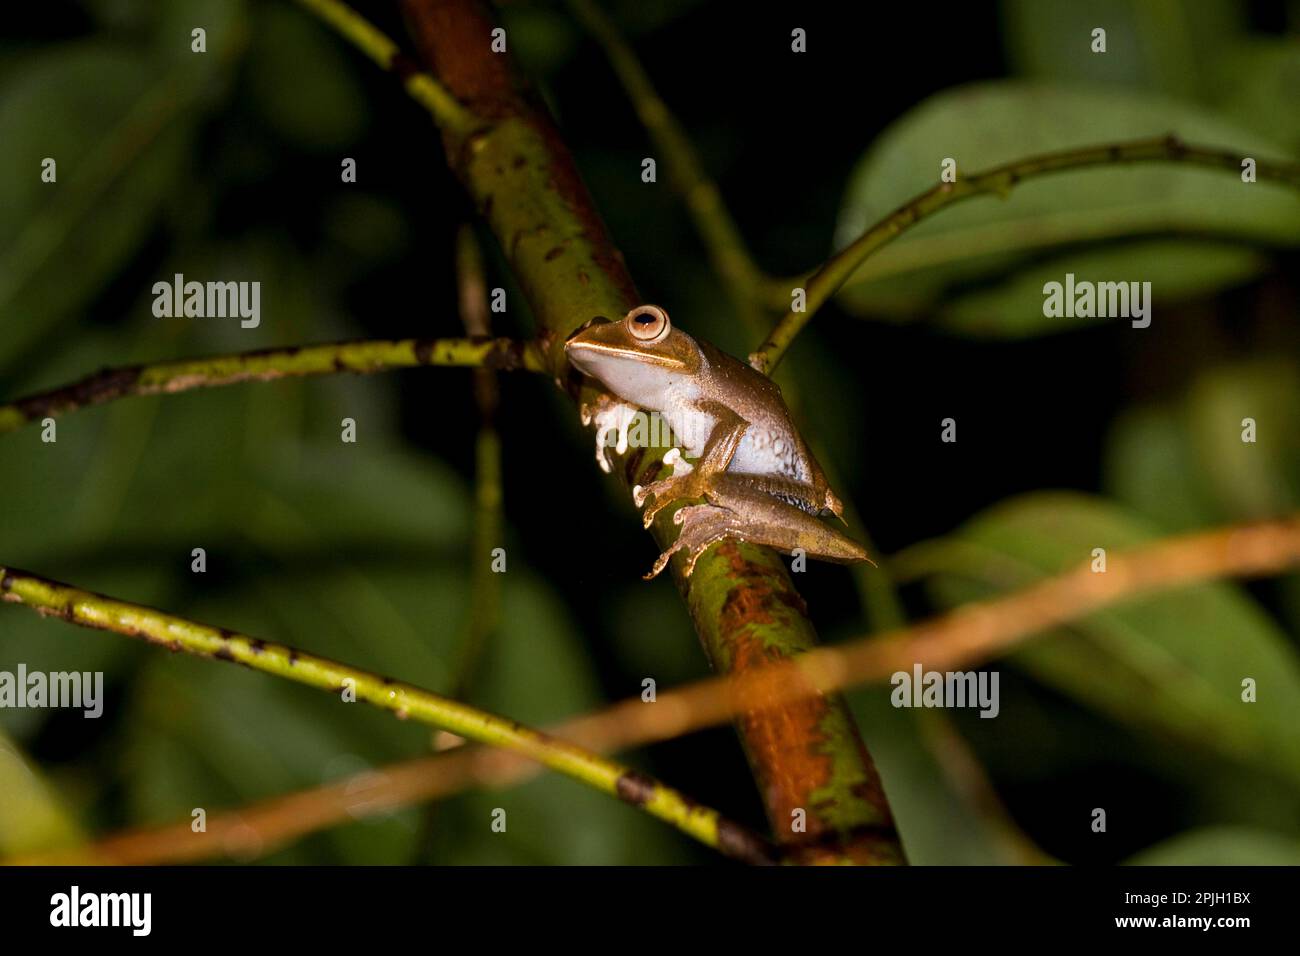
637	358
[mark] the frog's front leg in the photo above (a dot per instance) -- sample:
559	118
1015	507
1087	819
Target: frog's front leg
610	416
718	452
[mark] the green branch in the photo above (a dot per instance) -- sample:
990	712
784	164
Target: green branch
445	109
51	598
805	755
828	279
744	281
266	365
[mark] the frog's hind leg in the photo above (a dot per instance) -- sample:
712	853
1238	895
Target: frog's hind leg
697	482
702	525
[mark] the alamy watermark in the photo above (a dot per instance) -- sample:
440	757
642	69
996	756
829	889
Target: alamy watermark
1101	300
56	689
209	300
922	688
74	908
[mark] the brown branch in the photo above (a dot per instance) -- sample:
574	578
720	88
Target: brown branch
523	180
967	636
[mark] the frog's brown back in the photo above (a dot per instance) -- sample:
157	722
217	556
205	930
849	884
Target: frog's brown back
819	496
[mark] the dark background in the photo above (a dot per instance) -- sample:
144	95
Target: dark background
255	187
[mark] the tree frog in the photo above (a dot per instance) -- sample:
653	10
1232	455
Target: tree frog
753	471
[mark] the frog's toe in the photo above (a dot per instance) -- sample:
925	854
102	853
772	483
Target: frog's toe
602	457
702	526
706	534
661	562
640	493
662	500
668	490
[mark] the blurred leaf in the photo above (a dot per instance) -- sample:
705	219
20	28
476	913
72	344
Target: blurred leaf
1249	479
1151	468
225	26
1257	81
654	637
169	24
542	38
303	80
1199	444
536	670
119	129
1170	664
363	230
933	266
1222	846
30	817
1185	465
212	736
637	18
1176	269
937	824
344	552
1158	46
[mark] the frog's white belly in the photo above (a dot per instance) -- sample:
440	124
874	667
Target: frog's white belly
760	451
769	452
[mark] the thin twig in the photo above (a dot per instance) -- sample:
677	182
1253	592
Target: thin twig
266	365
446	110
967	636
485	585
718	231
52	598
837	270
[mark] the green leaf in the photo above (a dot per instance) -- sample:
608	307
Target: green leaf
303	80
536	670
1256	82
31	817
1250	479
1185	465
119	130
937	824
1161	47
217	737
1151	467
946	263
1176	268
1222	846
1170	664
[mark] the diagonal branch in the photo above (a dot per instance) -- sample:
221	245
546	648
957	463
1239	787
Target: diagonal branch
832	274
964	637
54	599
805	755
265	365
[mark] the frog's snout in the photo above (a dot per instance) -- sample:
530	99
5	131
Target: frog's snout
582	328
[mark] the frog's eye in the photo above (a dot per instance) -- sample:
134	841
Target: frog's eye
648	323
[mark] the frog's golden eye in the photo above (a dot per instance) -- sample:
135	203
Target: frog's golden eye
648	323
